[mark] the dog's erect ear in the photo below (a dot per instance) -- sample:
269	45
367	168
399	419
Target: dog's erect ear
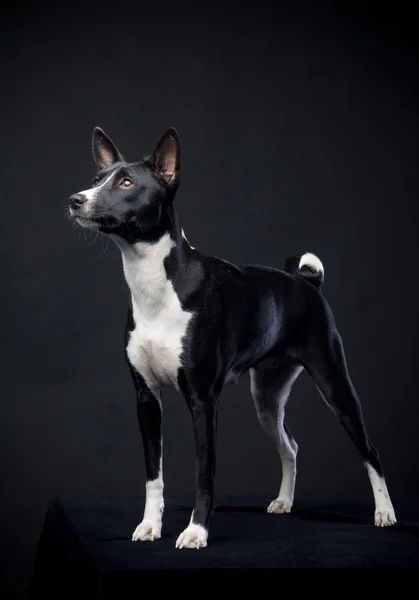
105	152
166	157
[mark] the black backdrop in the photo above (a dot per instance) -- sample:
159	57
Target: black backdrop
299	131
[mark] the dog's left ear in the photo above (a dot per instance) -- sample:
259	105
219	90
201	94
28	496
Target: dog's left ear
105	152
166	157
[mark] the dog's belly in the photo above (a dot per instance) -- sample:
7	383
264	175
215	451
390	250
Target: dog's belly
154	349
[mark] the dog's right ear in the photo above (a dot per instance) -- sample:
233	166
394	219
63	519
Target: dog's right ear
105	152
166	157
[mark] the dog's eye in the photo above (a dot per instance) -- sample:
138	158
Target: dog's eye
125	183
95	181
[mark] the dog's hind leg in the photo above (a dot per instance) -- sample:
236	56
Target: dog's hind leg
271	384
325	361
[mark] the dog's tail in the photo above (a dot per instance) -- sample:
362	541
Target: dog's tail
308	266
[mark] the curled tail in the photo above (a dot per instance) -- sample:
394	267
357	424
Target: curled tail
308	266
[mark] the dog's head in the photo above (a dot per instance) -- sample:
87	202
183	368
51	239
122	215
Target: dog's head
126	199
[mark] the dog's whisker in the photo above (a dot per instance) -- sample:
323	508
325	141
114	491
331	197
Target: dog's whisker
95	238
104	248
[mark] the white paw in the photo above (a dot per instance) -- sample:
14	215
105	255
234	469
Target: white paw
147	531
279	506
385	517
194	536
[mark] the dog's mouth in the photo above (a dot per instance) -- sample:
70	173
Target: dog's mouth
106	224
87	222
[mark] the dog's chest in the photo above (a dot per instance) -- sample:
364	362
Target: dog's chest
155	346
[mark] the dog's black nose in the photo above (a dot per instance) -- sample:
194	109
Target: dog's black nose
76	200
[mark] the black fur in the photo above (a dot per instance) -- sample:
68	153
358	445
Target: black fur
243	315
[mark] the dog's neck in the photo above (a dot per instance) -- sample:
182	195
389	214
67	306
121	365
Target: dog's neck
145	266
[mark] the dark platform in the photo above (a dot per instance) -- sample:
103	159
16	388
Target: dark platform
86	550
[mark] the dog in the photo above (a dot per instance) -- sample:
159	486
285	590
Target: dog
196	322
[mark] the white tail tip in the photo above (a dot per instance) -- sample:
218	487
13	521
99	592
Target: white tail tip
312	261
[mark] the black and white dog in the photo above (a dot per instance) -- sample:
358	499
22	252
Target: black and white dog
196	322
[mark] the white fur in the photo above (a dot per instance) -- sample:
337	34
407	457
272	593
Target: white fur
384	511
91	195
155	345
194	536
83	215
150	527
270	391
311	260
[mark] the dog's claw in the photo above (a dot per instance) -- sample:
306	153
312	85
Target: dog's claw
147	531
194	536
280	506
385	518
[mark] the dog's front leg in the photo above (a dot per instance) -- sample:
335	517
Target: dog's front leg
204	418
150	421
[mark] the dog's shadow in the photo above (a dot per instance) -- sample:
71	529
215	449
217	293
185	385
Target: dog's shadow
306	514
321	516
301	515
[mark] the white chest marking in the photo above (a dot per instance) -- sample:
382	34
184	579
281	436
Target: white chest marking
155	344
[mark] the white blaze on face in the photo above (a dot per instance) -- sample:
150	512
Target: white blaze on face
91	195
